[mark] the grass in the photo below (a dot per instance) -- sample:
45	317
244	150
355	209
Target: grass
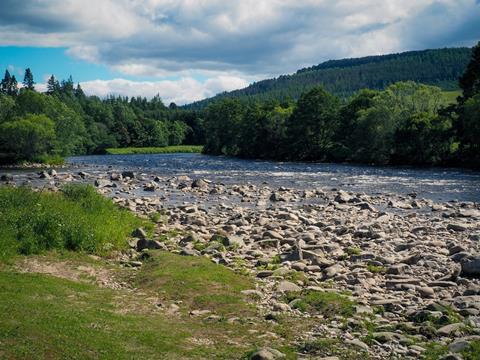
77	219
197	282
156	150
43	317
328	304
450	97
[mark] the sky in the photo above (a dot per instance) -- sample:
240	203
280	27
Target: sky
187	50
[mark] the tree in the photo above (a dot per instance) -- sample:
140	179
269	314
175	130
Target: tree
9	84
470	80
28	82
5	84
222	121
313	124
27	138
469	131
53	86
423	139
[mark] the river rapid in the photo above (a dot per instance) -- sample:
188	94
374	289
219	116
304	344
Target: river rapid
437	184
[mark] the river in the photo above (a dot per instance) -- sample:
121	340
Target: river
438	184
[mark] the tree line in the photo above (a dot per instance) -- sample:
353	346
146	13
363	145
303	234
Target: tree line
63	121
407	123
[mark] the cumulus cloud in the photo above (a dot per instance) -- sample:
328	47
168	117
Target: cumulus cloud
182	91
250	38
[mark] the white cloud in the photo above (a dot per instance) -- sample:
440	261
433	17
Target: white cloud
247	38
182	91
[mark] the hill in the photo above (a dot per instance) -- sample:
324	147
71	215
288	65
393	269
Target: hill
440	67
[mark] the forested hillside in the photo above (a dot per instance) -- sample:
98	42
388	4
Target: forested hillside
406	123
440	67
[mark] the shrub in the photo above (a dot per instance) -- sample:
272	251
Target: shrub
76	219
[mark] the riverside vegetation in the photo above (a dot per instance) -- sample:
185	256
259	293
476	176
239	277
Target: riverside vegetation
398	121
274	273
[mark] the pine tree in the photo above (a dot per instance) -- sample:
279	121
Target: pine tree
67	86
13	88
52	85
79	91
28	82
5	84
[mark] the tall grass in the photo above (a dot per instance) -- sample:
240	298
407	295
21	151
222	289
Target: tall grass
77	219
156	150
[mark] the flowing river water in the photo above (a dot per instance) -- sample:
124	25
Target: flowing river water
438	184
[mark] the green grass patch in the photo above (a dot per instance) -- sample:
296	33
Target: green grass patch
329	304
376	269
197	282
43	317
155	150
76	219
450	97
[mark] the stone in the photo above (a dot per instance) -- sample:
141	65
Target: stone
128	174
200	184
264	274
457	227
143	244
6	177
471	267
43	175
342	197
450	329
358	343
234	240
102	183
287	286
459	345
115	176
150	187
267	354
425	292
139	233
332	271
189	252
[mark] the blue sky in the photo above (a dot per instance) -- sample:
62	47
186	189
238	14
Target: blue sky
187	50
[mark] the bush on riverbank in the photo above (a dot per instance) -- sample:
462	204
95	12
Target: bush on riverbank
156	150
75	219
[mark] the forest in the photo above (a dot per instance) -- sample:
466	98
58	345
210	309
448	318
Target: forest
343	78
405	122
63	121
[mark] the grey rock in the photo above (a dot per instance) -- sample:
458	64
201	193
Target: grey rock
128	174
287	286
471	267
267	354
143	244
450	329
102	183
200	184
6	177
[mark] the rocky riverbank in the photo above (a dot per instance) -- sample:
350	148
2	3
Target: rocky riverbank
386	274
